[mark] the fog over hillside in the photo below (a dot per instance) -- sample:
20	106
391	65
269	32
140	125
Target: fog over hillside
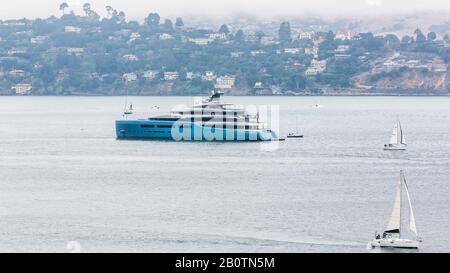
138	9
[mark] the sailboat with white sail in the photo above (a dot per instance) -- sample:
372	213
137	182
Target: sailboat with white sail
397	141
128	110
395	235
297	133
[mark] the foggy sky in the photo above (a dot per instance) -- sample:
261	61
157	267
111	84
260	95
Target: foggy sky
138	9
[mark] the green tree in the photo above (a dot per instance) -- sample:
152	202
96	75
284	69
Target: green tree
392	41
284	33
420	38
406	39
109	11
167	26
224	29
87	9
431	36
122	17
153	20
239	36
63	7
179	22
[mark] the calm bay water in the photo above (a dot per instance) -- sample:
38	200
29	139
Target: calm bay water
64	177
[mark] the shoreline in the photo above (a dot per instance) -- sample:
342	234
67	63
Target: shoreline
200	95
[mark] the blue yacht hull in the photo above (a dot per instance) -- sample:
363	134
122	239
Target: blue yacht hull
168	130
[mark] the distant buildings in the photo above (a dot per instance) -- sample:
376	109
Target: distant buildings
72	29
316	67
38	39
17	73
190	75
236	54
261	89
129	77
257	52
208	76
268	40
130	57
15	51
346	35
135	35
165	36
225	82
341	49
200	41
170	76
314	51
217	36
306	35
77	51
294	50
150	74
22	88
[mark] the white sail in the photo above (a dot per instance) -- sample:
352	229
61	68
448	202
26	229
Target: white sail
412	221
395	220
394	136
401	135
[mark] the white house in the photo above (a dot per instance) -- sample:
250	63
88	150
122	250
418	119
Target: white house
209	76
236	54
217	36
77	51
17	73
306	35
268	40
165	36
346	35
316	67
130	57
201	41
258	85
312	51
38	40
150	74
341	49
170	76
22	88
72	29
130	77
257	52
135	35
15	51
190	75
292	50
225	82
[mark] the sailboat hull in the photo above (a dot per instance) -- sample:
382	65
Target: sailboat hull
395	243
395	148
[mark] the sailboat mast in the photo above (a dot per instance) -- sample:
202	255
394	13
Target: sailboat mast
126	99
401	186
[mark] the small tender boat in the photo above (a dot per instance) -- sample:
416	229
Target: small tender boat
393	236
294	135
397	141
